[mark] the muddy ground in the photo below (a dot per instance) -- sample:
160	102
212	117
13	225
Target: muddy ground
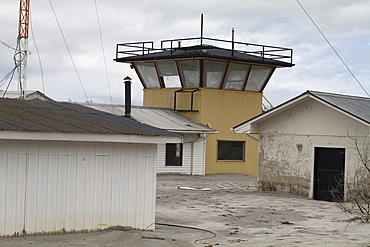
231	213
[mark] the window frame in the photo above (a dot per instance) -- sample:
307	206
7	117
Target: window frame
223	148
174	160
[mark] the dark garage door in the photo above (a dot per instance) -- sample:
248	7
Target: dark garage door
329	171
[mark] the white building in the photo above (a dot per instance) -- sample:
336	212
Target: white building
180	158
30	95
65	168
307	144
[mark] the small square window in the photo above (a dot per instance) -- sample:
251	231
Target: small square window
174	154
230	151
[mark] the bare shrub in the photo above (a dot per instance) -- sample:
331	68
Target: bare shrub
357	200
357	189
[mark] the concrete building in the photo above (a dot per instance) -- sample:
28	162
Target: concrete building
187	157
68	168
307	145
216	86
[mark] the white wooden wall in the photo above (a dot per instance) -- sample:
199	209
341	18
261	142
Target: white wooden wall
193	161
72	186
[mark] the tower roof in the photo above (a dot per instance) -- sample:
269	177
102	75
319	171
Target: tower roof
246	52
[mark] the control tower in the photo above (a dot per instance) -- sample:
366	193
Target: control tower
216	82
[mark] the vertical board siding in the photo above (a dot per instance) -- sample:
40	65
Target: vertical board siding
64	186
222	109
198	158
193	160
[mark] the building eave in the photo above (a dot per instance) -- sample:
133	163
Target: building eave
251	126
79	137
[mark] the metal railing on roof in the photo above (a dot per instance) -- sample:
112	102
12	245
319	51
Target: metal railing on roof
264	51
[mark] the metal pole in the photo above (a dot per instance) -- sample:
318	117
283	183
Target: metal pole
201	30
127	82
232	42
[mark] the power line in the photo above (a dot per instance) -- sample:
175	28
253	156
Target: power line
2	69
69	52
5	44
102	47
9	75
333	49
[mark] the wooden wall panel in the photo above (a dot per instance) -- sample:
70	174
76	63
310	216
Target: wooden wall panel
222	110
57	187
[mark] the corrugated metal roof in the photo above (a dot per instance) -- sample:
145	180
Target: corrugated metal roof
163	118
28	115
356	106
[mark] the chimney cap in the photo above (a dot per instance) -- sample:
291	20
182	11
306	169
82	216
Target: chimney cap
127	78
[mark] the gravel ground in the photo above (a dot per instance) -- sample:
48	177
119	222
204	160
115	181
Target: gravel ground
230	212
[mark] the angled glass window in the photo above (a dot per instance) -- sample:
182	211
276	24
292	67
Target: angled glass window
148	74
213	73
189	72
257	78
168	74
236	76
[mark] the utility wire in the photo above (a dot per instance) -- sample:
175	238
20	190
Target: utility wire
333	49
38	55
118	89
2	69
10	74
69	52
5	44
102	47
6	77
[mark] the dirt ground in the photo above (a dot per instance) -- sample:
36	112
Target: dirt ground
231	213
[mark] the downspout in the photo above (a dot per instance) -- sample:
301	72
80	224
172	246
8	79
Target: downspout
251	137
247	135
192	159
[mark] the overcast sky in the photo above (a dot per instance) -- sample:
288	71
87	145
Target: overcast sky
270	22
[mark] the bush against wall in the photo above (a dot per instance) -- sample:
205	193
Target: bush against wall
357	189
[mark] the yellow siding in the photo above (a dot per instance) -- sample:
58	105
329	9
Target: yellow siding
221	110
159	97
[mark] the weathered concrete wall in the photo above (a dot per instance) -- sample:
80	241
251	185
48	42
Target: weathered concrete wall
282	167
288	141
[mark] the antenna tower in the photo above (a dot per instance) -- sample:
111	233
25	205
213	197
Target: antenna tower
20	56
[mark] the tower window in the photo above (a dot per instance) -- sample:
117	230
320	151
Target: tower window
258	77
236	76
189	71
167	72
213	73
148	74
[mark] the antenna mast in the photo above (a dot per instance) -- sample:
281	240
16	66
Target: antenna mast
20	56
